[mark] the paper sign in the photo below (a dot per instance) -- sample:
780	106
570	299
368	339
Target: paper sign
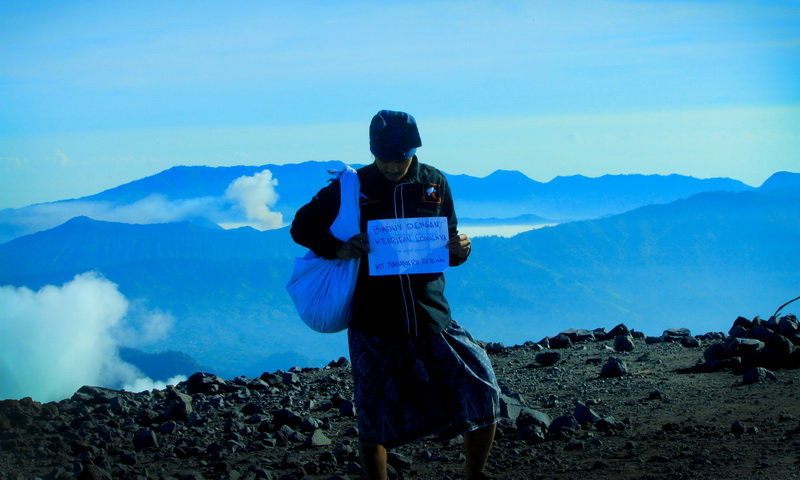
408	246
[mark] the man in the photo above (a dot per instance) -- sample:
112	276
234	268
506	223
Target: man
415	370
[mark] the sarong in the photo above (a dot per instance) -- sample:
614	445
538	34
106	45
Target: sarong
408	388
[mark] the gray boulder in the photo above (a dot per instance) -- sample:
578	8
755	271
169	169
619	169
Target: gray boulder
546	359
560	341
178	406
93	472
620	329
614	367
317	439
493	348
758	375
623	343
675	334
742	346
529	416
691	342
577	335
511	407
207	384
788	325
565	424
532	434
145	439
584	414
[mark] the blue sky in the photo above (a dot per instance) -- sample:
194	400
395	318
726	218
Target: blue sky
94	94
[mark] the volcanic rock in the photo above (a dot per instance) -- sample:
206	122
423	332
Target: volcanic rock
93	472
560	341
623	343
347	409
285	416
317	439
757	375
577	335
546	359
617	331
675	335
97	426
584	414
564	424
178	406
145	439
614	367
494	348
341	362
207	384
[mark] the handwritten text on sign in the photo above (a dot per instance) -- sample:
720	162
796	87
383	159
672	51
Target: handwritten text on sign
408	245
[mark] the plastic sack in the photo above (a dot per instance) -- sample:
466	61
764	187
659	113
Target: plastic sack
322	290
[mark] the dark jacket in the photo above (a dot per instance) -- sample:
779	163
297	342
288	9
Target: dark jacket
391	305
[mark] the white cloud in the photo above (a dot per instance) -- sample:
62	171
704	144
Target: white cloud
256	195
62	158
158	209
56	339
142	384
142	326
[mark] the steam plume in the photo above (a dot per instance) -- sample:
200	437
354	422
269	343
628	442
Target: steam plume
56	339
256	195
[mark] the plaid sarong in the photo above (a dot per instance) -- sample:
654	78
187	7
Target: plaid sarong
408	388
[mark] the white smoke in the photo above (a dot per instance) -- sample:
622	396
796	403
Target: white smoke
157	208
142	327
56	339
142	384
256	195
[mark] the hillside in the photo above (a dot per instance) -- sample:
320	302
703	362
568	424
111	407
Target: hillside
83	244
783	184
563	416
702	259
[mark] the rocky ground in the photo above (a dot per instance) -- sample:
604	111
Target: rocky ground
583	404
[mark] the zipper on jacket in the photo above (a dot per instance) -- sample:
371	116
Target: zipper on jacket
407	279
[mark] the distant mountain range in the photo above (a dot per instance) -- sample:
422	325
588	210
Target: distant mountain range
83	244
197	194
575	197
696	261
160	366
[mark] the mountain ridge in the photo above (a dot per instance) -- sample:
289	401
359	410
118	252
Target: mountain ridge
182	192
701	253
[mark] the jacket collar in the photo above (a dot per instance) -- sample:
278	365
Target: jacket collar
373	174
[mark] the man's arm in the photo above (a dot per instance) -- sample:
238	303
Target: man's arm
311	224
459	245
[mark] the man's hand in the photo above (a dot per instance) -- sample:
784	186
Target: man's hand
356	247
460	245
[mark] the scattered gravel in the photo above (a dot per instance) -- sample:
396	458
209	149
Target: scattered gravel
652	411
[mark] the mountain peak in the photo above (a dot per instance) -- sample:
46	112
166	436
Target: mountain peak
513	174
782	184
81	221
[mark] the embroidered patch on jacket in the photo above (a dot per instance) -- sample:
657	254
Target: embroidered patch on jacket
432	193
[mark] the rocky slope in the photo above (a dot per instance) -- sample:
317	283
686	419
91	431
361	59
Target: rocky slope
582	404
